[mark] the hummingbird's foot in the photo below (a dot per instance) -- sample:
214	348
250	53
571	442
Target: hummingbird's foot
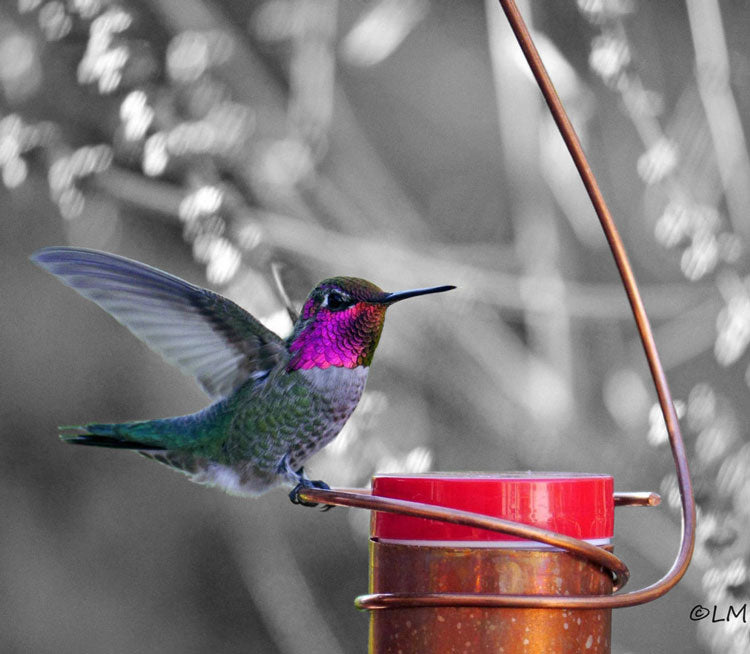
304	484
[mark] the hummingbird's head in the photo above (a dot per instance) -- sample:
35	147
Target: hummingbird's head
341	321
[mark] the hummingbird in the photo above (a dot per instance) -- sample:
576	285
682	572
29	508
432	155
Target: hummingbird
276	401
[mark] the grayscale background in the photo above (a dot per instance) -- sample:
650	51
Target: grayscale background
402	141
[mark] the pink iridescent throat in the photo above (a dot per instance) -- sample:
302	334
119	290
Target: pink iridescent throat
344	338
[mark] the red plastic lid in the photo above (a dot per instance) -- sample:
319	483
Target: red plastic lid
578	505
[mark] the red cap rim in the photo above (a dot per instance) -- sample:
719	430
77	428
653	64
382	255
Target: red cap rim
574	504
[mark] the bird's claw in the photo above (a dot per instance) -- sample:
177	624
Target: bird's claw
304	484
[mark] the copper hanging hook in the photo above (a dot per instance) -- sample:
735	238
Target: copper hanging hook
579	548
687	540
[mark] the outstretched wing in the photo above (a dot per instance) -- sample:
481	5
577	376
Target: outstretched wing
199	331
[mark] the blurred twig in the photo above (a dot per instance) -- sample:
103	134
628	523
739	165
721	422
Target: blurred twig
355	189
278	585
358	252
537	237
722	114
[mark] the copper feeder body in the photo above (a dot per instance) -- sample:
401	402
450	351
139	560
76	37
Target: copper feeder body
478	630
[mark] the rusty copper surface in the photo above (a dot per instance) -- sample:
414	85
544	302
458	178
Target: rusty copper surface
482	571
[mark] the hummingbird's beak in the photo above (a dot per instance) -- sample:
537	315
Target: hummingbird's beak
390	298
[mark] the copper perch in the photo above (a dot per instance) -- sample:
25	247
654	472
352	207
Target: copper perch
637	499
647	498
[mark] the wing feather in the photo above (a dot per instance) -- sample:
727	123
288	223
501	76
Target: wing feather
199	331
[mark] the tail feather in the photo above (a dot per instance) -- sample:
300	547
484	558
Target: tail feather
121	436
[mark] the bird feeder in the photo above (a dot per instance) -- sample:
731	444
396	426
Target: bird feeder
416	555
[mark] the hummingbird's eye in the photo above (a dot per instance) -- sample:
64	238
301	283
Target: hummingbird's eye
337	302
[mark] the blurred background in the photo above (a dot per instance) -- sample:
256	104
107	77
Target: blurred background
402	141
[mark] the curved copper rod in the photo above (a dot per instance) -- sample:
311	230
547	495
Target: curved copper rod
687	540
379	601
641	498
365	500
